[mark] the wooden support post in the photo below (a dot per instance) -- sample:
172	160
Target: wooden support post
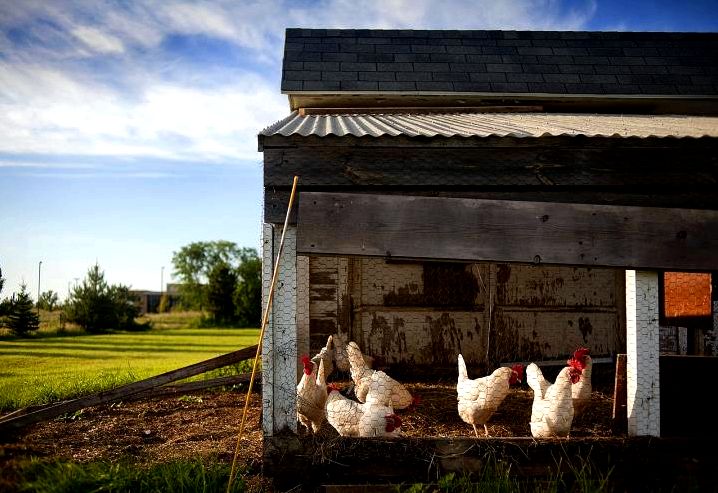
279	347
619	396
642	347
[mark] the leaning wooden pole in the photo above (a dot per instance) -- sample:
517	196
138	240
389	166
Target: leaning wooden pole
265	319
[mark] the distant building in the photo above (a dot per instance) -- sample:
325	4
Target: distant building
149	301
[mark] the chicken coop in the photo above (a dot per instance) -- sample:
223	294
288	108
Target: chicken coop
508	196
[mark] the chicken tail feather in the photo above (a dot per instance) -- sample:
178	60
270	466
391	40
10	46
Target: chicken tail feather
463	373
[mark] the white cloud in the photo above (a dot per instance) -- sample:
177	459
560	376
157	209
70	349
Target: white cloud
54	99
97	40
47	111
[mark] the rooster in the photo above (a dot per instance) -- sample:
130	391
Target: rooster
362	375
552	409
312	395
581	392
480	397
373	418
326	354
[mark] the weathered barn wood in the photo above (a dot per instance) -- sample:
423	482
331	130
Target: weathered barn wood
507	231
663	164
694	197
635	464
425	313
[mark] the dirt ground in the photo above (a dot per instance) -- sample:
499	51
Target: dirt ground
205	425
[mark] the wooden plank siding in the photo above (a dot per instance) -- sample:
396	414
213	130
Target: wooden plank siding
655	172
423	314
507	231
663	164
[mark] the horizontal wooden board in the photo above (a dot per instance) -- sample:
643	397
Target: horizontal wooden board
507	231
694	197
621	165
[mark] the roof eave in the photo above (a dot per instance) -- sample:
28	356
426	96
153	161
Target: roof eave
328	99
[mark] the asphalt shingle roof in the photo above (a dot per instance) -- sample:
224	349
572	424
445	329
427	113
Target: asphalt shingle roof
549	62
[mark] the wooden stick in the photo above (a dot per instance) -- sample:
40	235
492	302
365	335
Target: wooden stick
265	319
17	422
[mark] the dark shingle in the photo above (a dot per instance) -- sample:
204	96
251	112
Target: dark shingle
412	57
414	76
574	62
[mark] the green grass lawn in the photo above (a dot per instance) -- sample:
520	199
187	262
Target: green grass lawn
49	368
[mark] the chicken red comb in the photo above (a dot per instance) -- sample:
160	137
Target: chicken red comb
577	364
305	359
519	369
581	353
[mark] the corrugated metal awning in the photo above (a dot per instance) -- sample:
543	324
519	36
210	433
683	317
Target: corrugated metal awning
494	125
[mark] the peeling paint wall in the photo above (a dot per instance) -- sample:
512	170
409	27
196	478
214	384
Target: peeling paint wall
425	313
545	312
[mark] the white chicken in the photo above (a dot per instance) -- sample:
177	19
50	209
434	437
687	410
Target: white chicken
362	374
312	395
552	409
373	418
340	353
581	391
480	397
326	354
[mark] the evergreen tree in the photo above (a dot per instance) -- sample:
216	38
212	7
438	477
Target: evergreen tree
97	306
22	317
220	293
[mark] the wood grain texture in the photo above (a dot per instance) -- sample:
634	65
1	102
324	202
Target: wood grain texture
694	197
507	231
682	164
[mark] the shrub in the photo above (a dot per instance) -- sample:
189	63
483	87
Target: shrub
21	318
97	306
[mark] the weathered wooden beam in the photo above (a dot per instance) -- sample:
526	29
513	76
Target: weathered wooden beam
507	231
17	422
618	165
421	110
695	197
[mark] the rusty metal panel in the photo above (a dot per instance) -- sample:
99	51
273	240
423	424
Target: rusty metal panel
422	336
687	298
533	285
537	334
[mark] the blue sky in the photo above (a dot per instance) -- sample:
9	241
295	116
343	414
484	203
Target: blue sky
128	128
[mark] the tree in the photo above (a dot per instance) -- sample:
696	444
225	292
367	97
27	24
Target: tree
4	304
22	318
221	285
97	306
48	300
248	295
193	264
205	269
